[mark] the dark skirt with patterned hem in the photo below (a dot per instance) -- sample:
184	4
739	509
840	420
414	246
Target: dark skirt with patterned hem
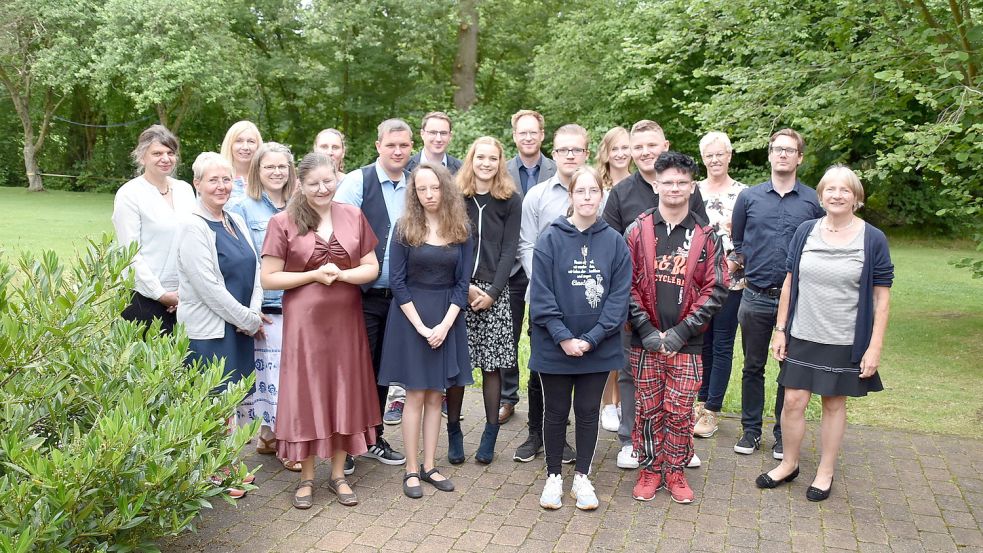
825	370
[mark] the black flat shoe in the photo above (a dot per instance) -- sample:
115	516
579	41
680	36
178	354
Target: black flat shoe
444	485
766	482
815	494
412	492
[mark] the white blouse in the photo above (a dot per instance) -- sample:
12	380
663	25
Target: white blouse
142	215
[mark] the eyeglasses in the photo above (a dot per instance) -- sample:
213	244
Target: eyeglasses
567	152
680	184
317	185
528	134
275	168
435	134
586	192
715	156
784	151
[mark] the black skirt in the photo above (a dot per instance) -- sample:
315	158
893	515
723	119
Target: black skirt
825	370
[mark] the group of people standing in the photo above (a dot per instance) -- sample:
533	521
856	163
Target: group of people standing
635	283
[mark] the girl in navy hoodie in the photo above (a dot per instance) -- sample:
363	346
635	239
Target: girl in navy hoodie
578	303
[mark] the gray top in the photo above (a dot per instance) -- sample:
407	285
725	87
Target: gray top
829	290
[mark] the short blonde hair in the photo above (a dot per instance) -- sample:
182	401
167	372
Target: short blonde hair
524	112
233	133
436	115
715	136
842	173
646	125
208	160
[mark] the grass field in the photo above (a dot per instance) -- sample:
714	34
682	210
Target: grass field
931	366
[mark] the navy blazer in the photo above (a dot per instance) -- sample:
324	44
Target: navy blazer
546	171
453	164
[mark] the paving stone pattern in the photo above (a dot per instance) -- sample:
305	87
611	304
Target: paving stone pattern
894	492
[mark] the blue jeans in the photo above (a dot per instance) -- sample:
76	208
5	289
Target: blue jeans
718	352
757	315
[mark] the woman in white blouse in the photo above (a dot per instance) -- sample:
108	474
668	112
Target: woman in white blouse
147	211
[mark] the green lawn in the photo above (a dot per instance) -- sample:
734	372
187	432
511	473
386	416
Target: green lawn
931	366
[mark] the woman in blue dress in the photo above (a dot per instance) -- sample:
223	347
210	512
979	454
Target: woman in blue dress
426	343
218	277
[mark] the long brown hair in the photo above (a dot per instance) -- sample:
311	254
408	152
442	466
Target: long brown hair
455	227
254	186
502	186
298	208
604	156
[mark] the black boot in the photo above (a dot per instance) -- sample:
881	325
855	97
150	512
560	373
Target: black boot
486	449
455	443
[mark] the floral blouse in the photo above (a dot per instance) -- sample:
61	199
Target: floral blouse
720	208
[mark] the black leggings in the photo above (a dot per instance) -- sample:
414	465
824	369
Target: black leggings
145	310
585	391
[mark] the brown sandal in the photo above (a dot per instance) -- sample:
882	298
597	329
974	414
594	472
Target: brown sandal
292	466
307	501
346	499
263	446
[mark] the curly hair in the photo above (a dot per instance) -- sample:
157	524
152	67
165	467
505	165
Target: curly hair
502	186
455	227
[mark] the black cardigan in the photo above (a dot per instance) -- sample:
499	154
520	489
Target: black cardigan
496	240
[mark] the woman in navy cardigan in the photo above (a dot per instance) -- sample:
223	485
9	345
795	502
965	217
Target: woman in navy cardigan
832	316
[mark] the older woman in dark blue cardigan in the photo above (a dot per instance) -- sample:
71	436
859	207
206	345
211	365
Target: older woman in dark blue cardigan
831	321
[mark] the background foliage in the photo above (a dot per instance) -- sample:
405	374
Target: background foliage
891	87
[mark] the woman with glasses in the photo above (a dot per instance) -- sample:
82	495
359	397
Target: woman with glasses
719	193
319	252
613	166
270	184
579	303
426	344
240	144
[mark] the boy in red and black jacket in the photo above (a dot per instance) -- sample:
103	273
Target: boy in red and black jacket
679	280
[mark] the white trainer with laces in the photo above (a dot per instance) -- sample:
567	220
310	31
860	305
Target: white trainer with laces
583	491
552	497
627	458
694	462
610	418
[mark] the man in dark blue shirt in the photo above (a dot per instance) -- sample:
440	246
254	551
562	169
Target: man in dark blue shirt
765	218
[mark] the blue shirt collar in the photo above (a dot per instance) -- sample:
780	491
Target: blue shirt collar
797	187
383	177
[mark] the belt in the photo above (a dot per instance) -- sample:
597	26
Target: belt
379	292
773	292
270	310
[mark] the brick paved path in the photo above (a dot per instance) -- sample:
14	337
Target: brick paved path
894	491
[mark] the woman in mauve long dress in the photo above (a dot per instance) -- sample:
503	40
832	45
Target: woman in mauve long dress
320	251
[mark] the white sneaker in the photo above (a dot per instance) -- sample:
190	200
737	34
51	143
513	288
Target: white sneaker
694	462
627	458
552	497
583	491
610	418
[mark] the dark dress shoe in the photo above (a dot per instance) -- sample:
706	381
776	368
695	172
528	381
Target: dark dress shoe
412	492
815	494
505	412
766	482
444	485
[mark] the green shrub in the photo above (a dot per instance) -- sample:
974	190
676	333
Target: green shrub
107	440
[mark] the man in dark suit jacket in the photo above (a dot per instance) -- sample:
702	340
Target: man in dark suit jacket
436	133
527	169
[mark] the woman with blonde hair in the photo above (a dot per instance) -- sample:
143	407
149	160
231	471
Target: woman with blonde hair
613	165
270	185
832	317
426	343
240	144
495	212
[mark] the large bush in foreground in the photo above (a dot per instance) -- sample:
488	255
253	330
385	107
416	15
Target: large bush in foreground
107	440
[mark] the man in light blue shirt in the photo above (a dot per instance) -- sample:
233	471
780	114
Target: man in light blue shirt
379	189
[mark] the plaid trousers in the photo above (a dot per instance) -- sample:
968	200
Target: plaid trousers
666	388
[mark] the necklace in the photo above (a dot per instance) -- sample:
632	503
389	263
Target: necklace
166	192
827	226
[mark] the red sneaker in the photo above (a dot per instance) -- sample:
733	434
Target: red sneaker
679	488
648	483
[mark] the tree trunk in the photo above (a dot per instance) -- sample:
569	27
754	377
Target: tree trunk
466	61
22	105
34	182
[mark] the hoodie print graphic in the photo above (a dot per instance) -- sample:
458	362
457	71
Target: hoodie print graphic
585	273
